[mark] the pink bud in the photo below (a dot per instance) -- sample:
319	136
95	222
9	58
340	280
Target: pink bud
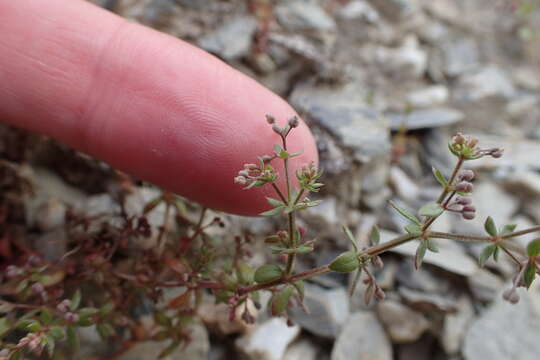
270	119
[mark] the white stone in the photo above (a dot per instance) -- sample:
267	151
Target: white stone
430	96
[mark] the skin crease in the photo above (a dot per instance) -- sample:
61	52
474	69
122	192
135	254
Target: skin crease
144	102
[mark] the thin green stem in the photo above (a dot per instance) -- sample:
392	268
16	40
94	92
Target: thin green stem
291	258
279	193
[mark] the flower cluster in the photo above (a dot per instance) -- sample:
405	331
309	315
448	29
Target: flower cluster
257	175
466	147
461	203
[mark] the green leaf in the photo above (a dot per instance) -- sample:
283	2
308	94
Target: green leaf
507	229
6	307
75	300
413	229
57	332
105	330
45	317
420	253
275	202
529	274
533	248
107	308
73	338
280	300
432	245
486	254
490	227
345	263
350	236
49	344
244	273
496	254
4	326
375	236
268	272
440	177
274	211
405	213
299	286
28	325
431	209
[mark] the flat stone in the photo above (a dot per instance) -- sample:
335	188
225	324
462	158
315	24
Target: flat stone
363	337
231	40
328	310
269	340
485	285
357	125
524	183
408	60
405	187
402	323
304	15
449	258
425	118
428	302
429	96
505	331
456	324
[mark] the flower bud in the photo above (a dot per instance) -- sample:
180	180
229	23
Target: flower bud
469	208
497	153
277	129
270	119
377	262
465	187
293	122
458	139
468	215
38	288
379	294
466	175
472	142
462	200
240	180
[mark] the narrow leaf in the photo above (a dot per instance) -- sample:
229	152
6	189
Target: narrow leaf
490	227
75	300
439	176
533	249
432	245
350	236
486	254
280	300
431	209
413	229
267	272
375	236
405	213
299	286
529	274
275	202
273	212
507	229
420	253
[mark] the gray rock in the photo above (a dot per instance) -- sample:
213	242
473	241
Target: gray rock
456	324
303	349
363	337
304	15
269	340
359	10
402	323
340	111
396	9
52	245
460	55
404	186
423	279
485	285
232	40
525	184
324	217
429	96
408	60
428	302
490	81
425	118
197	349
328	310
506	331
449	258
527	78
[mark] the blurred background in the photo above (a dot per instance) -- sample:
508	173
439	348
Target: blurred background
383	84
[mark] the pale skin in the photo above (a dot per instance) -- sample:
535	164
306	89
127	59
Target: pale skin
142	101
